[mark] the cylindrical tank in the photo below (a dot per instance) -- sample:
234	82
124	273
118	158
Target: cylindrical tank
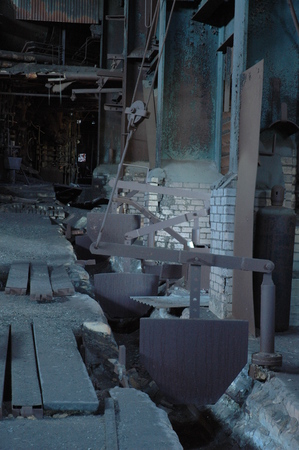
274	240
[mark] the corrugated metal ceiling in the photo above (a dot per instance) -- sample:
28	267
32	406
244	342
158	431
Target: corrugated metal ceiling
71	11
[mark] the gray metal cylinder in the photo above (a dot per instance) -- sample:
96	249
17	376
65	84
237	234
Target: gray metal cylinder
274	240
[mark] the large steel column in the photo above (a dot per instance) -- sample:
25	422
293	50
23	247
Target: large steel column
267	356
162	29
239	66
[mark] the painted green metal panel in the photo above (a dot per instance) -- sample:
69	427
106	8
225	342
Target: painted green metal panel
71	11
190	88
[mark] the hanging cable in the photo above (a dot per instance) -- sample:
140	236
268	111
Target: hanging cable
113	188
145	51
161	53
139	115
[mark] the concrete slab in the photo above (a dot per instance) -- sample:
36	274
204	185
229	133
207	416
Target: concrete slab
64	380
29	237
26	395
140	423
70	433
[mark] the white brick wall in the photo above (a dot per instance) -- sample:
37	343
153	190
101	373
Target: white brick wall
222	217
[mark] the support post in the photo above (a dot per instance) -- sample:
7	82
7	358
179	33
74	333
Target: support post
267	355
195	277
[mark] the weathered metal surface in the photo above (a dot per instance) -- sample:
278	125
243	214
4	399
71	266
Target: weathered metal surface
113	291
70	11
190	73
192	256
164	271
117	225
267	356
64	380
170	301
267	22
274	239
26	397
250	116
164	190
193	361
165	224
195	277
4	339
17	281
215	12
149	215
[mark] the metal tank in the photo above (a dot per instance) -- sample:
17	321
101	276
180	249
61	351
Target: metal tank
274	240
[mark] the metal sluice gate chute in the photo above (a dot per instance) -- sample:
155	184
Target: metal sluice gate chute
192	360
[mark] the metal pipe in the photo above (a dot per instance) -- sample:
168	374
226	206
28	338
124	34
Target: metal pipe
267	325
28	94
267	356
63	46
195	278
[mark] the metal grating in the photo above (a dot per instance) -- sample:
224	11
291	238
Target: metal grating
70	11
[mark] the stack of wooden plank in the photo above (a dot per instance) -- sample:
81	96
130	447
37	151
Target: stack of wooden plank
47	371
39	280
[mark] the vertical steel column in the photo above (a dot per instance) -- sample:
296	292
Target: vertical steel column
239	65
267	314
219	103
195	277
267	355
162	29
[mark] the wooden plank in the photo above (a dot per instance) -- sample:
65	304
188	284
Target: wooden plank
61	283
26	396
65	383
17	281
40	286
4	339
250	117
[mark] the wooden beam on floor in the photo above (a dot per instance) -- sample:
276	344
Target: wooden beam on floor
17	281
61	283
40	286
4	340
65	383
26	398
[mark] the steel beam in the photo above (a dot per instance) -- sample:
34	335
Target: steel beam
191	256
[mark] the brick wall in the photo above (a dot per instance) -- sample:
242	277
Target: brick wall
222	217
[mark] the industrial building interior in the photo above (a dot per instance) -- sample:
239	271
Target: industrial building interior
160	137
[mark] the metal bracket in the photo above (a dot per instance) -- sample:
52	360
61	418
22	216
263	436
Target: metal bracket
137	112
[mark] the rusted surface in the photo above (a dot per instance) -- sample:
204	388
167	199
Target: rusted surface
200	357
250	116
117	225
113	291
71	11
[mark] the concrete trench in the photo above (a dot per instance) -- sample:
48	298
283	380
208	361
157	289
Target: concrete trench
237	420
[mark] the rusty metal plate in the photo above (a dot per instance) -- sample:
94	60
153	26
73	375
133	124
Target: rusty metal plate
72	11
193	361
113	291
116	226
164	271
250	117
